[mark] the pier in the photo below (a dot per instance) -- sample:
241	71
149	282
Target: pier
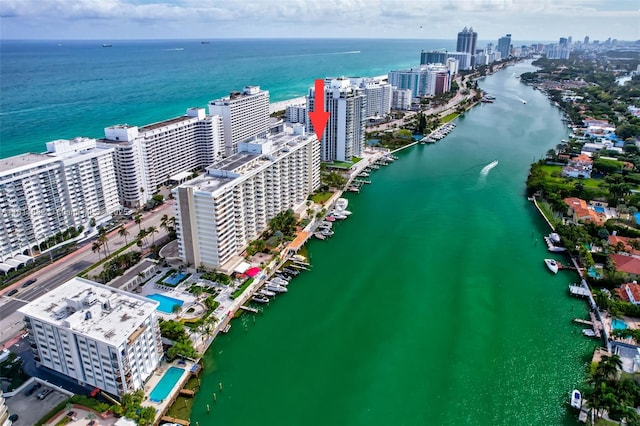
578	291
249	309
582	321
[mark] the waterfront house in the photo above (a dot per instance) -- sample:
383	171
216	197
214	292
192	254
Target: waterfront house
630	265
580	211
629	292
625	243
578	167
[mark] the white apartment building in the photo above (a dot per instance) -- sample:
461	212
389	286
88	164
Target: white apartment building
149	156
244	115
4	412
219	213
464	59
424	80
95	334
44	194
378	96
344	136
296	114
401	99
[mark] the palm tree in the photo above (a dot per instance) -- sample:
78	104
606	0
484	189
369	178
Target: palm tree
197	291
163	221
176	310
103	239
151	231
96	247
138	220
123	233
608	367
142	235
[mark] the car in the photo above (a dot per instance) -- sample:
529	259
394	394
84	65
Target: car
12	292
44	393
13	417
71	414
27	283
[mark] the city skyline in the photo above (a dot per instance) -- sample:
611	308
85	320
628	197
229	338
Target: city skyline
527	20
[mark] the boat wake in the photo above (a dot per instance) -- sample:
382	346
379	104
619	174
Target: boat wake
175	48
486	169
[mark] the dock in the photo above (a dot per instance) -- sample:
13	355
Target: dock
174	420
187	392
579	291
226	329
582	321
249	309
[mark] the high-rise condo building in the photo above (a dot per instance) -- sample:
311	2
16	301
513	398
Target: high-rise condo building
149	156
467	39
504	46
344	135
556	51
433	57
586	39
422	80
401	99
42	195
219	213
95	334
296	114
378	96
244	115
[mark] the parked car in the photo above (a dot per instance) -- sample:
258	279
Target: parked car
28	282
13	417
12	292
44	393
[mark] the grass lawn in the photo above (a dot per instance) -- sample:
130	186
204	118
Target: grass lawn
341	165
321	197
558	182
449	117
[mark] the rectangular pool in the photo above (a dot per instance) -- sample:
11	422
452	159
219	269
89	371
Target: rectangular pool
166	383
174	278
599	209
166	303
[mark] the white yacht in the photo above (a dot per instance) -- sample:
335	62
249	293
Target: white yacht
552	265
267	293
276	287
341	204
576	399
555	237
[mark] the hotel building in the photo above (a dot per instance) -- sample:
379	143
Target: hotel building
425	80
95	334
219	213
44	194
377	94
433	57
244	115
343	137
149	156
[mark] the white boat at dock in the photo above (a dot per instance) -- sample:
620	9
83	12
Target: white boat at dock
279	281
341	204
275	287
576	399
552	265
266	292
260	298
554	237
301	258
589	332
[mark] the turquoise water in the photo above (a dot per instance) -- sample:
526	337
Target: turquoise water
599	209
166	303
166	383
618	324
174	279
637	216
430	305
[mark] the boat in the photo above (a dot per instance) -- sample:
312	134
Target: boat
267	292
275	287
552	265
319	236
291	271
345	212
330	218
524	102
576	399
556	249
555	237
341	204
204	42
299	258
279	281
589	332
107	45
339	216
260	298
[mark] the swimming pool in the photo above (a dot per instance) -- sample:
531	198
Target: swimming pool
174	279
599	209
166	303
637	216
166	383
617	324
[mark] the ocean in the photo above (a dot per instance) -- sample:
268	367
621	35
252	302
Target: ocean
63	89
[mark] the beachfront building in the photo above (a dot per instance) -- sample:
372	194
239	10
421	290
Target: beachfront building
219	213
149	156
401	99
463	58
504	46
97	335
244	115
378	96
42	195
467	39
425	80
344	136
433	57
296	114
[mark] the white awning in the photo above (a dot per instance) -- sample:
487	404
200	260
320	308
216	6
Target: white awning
242	268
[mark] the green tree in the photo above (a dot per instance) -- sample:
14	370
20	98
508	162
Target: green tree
123	233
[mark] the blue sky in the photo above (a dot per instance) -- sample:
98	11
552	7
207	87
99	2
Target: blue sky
201	19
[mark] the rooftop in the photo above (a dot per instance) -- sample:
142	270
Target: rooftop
164	123
95	310
22	160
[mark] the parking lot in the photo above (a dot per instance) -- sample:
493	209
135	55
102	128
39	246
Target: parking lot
30	409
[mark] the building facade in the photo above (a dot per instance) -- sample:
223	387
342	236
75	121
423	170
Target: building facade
504	46
433	57
425	80
296	114
4	412
146	157
463	58
344	135
244	115
42	195
401	99
219	213
467	39
378	96
95	334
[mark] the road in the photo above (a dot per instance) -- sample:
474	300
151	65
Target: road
66	268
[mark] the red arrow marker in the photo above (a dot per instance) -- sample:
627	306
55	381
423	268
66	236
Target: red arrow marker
319	117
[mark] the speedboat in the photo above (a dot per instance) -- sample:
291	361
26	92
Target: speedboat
552	265
589	332
341	204
279	281
345	212
275	287
556	249
339	216
555	237
299	258
576	399
330	218
260	298
267	293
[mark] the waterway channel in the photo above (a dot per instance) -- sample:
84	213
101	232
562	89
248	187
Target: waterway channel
430	305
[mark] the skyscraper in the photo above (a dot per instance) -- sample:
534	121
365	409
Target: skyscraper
433	57
586	39
344	135
467	39
504	46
